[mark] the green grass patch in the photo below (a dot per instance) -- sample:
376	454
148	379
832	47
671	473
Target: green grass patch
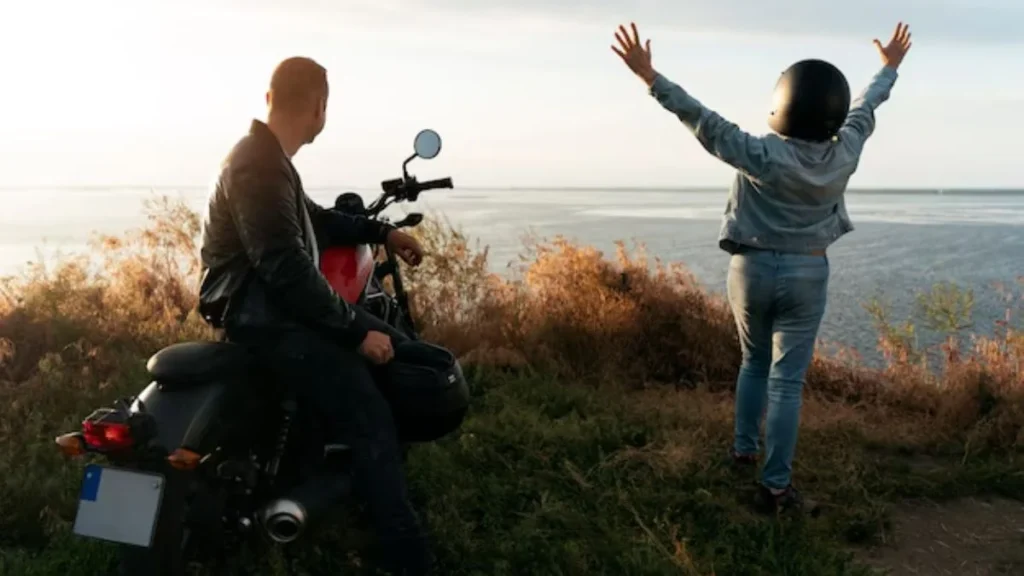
548	478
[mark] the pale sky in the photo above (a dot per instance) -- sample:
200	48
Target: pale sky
154	92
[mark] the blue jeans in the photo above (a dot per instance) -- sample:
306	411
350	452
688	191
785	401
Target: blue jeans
778	301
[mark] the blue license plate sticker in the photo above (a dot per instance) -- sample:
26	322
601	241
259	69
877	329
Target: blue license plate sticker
91	483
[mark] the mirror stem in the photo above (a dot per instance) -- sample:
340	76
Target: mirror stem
405	173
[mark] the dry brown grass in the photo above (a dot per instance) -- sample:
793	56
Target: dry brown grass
573	313
636	322
136	290
567	311
75	334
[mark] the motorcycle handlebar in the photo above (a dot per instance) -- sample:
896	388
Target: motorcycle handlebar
435	184
409	189
403	190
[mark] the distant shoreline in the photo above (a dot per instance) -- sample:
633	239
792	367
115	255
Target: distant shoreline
655	189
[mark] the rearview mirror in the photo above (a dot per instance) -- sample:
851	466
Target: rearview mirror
427	144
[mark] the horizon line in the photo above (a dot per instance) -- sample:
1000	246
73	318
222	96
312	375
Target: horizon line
574	188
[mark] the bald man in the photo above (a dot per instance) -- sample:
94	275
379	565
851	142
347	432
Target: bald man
261	283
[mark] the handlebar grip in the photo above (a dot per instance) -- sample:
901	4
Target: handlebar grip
435	184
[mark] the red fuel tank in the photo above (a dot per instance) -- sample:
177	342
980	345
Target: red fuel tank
347	270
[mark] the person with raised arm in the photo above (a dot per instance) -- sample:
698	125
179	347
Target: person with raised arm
786	207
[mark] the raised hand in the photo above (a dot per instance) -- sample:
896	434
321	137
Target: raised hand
892	53
637	57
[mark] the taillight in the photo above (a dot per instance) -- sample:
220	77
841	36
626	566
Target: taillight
102	431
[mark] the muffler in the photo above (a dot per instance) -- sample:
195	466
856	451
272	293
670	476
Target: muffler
285	519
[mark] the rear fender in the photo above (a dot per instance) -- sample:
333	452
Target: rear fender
185	418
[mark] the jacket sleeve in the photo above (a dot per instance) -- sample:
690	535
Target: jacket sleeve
264	207
860	122
723	139
335	228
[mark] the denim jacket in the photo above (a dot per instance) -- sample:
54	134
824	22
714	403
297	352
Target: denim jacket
788	193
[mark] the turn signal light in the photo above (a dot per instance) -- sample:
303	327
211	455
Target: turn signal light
71	444
184	459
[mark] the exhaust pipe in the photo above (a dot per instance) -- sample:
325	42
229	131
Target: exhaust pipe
283	519
286	518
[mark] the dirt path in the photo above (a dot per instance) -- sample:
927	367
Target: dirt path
971	537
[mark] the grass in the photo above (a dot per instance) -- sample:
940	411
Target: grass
601	413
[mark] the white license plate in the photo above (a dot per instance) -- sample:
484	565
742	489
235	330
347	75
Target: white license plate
119	505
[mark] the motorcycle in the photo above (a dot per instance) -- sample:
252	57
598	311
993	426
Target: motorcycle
186	471
354	272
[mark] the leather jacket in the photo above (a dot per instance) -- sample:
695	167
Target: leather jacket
261	237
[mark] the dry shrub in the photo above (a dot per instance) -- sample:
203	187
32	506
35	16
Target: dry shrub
450	288
973	385
570	311
977	393
567	310
633	321
136	291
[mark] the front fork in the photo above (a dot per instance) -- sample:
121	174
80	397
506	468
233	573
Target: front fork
390	267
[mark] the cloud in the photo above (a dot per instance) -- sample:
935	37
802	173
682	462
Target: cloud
972	21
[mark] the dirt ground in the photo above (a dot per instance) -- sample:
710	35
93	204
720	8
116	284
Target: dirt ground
971	537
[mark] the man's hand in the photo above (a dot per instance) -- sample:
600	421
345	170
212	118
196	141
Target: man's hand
892	53
407	247
376	347
637	57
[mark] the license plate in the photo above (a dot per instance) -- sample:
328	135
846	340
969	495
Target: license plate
119	505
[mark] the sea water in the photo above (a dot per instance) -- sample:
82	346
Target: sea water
904	242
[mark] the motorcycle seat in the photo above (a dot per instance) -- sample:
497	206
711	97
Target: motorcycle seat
188	364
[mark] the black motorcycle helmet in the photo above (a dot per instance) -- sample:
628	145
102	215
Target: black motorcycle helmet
427	391
811	101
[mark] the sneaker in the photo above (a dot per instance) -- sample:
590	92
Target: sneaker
789	501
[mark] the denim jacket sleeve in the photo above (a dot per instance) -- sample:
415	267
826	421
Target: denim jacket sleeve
748	154
860	122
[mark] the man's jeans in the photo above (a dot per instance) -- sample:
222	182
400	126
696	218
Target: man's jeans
335	385
778	301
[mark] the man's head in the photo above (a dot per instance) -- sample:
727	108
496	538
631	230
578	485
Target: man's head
298	97
812	99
